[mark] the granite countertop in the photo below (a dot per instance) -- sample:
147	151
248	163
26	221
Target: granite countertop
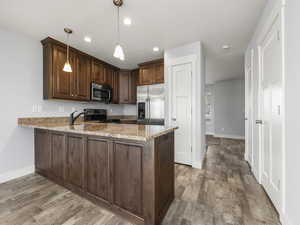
124	131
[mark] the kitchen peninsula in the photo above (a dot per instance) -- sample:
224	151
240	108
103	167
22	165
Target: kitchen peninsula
118	166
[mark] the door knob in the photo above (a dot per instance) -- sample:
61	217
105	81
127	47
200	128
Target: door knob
174	119
259	122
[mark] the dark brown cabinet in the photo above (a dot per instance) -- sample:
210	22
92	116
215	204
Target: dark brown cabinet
42	151
151	72
124	77
115	87
127	86
128	177
62	86
133	82
98	75
75	160
97	171
81	78
131	178
159	73
146	75
75	85
57	146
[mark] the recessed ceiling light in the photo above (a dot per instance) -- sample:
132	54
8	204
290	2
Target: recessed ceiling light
226	47
156	49
87	39
127	21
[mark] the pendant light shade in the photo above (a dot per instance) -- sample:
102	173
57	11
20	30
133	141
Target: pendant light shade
67	67
118	53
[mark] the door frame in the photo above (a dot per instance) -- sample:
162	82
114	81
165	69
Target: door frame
192	59
249	102
277	12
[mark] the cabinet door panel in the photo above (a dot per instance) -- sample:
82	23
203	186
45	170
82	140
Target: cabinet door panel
97	168
147	75
132	86
159	73
165	171
128	177
108	72
57	155
74	160
83	74
61	80
98	75
42	150
124	87
115	87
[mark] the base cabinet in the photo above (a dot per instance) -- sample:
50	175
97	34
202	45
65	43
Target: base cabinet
128	177
97	171
57	146
133	179
75	160
42	154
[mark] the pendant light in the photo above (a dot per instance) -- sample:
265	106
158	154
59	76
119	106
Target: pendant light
118	53
67	67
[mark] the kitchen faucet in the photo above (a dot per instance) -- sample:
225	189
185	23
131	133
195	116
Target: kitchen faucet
72	119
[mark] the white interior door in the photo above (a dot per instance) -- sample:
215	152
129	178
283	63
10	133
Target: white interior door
182	111
249	116
271	106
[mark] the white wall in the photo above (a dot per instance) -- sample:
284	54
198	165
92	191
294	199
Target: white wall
21	83
229	107
292	119
290	211
209	118
198	95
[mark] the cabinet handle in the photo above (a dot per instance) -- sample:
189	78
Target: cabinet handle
259	122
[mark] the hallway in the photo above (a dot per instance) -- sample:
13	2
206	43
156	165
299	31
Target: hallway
223	193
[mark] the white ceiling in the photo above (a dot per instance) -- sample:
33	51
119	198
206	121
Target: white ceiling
162	23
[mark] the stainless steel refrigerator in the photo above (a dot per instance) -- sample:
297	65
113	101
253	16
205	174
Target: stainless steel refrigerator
151	104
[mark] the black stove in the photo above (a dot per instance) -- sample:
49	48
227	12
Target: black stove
98	115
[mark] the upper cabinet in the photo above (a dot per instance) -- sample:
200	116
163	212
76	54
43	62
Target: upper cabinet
98	74
127	81
85	70
82	77
151	72
76	85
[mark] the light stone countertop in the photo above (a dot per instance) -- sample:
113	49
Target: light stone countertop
123	131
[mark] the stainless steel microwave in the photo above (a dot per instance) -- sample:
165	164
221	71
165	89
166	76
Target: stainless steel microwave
101	93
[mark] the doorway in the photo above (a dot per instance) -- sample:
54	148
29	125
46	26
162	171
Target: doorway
181	111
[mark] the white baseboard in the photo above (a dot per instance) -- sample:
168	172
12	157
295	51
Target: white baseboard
197	165
210	133
10	175
229	136
284	219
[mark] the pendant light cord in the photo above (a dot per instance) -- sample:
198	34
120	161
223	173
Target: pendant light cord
118	24
68	47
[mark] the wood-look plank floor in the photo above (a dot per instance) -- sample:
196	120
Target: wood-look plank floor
224	192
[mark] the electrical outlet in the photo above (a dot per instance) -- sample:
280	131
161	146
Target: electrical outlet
222	129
